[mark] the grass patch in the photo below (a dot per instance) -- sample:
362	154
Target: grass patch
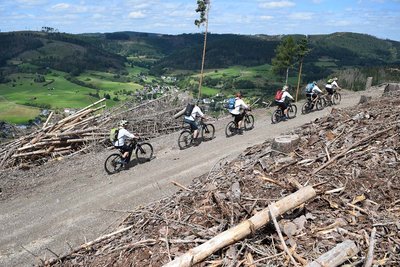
15	113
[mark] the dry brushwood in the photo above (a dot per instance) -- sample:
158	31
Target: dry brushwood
88	127
357	190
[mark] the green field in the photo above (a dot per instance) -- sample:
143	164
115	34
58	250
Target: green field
58	94
15	113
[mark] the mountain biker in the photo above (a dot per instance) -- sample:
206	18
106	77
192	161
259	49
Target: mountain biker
239	111
331	86
192	121
315	91
282	103
121	144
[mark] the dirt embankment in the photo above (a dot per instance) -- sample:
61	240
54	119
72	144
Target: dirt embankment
64	204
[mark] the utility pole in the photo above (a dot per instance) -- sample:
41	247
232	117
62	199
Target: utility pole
207	2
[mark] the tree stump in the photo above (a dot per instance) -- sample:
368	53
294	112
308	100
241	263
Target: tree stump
368	84
392	89
284	144
364	99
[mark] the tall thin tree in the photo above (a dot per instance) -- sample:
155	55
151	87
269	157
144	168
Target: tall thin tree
302	51
285	56
203	6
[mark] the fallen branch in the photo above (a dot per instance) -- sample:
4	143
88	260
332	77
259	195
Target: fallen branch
230	236
370	256
336	256
351	147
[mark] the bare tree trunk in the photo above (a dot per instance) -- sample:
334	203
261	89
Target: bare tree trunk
298	79
287	75
204	54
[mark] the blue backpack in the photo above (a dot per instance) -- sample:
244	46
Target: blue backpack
309	88
231	103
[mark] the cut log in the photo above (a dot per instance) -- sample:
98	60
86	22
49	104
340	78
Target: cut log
336	256
285	143
240	231
179	114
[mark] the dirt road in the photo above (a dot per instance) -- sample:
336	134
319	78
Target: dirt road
74	201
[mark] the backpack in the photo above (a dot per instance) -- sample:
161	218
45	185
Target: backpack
189	109
278	95
114	134
231	103
309	88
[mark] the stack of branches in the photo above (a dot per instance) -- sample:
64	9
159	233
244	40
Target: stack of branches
149	119
70	134
351	158
87	128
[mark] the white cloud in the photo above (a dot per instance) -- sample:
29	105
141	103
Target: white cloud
266	17
60	7
277	4
136	15
301	15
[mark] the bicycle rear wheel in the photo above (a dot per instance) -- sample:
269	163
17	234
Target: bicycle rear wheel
276	116
113	163
185	139
207	132
248	122
230	129
336	98
292	111
144	152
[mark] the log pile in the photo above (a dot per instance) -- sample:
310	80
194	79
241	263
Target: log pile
87	128
260	209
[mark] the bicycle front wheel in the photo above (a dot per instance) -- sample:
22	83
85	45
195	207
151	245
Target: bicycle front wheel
113	163
319	105
230	129
292	111
144	152
276	116
306	108
336	98
207	132
185	139
248	122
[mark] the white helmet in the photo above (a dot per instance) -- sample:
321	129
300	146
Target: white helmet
285	88
123	123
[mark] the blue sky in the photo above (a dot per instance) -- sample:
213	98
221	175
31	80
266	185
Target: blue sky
380	18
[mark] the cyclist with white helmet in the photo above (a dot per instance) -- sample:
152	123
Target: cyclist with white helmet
123	135
283	102
331	87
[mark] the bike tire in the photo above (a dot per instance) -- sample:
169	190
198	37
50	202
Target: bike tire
292	111
113	163
208	132
336	98
306	108
248	122
319	105
276	116
144	152
230	129
185	139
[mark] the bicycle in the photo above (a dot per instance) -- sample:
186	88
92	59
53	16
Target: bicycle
207	132
278	114
232	128
336	97
310	103
143	151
